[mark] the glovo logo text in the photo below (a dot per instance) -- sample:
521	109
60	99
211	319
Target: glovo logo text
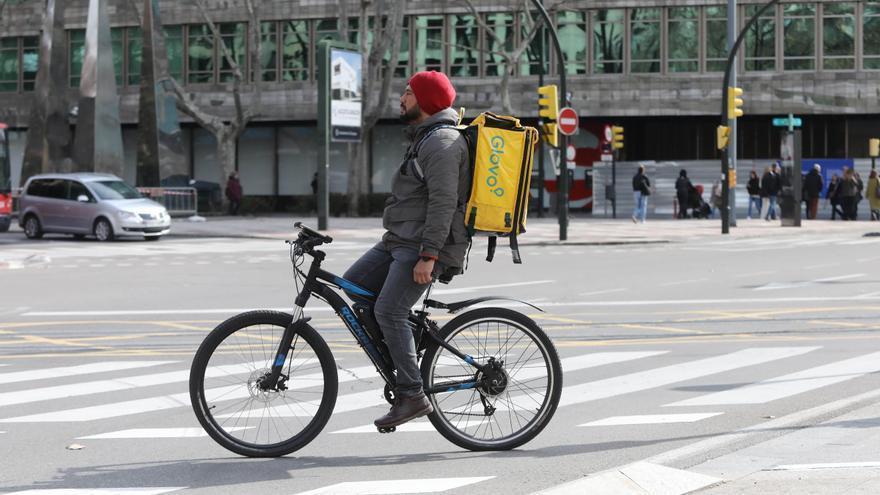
497	145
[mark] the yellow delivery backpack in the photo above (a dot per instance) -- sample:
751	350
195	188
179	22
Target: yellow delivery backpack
501	153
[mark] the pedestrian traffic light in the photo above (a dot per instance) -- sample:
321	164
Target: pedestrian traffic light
548	103
617	137
734	103
874	148
723	133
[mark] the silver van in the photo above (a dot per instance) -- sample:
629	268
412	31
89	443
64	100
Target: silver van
84	204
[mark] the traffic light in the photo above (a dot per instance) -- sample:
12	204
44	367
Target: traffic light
548	110
874	148
734	103
723	136
551	134
617	137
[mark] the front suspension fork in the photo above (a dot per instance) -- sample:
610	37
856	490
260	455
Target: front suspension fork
271	380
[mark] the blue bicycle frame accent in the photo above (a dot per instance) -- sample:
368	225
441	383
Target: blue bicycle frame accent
462	386
352	287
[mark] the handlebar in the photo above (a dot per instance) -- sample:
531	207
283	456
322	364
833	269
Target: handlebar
311	234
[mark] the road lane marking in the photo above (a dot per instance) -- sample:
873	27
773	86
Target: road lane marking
411	427
83	369
636	478
652	419
461	290
100	491
597	292
827	465
389	487
658	327
682	282
806	283
141	433
791	384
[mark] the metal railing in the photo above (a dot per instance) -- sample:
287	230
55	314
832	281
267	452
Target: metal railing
179	201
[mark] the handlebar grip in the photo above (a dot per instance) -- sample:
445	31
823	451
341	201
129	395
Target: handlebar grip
324	238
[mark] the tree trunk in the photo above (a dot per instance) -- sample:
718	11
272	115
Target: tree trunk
227	150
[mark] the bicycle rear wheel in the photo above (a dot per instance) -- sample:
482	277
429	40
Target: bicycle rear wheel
231	406
514	400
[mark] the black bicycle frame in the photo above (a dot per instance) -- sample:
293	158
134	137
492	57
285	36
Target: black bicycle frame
319	283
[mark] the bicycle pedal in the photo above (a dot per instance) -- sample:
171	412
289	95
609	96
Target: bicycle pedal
387	430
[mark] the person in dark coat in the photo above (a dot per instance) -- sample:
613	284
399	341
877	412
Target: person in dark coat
833	197
641	190
813	185
233	193
769	190
683	188
754	189
849	191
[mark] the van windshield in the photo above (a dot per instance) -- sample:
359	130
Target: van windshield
114	189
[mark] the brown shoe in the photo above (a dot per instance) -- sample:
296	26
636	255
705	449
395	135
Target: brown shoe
405	409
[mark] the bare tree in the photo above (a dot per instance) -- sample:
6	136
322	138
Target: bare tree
228	132
377	74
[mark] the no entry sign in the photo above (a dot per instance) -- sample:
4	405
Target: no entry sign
568	121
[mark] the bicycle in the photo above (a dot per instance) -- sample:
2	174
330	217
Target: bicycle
264	383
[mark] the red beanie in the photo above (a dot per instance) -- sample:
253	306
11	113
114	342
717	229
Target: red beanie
433	91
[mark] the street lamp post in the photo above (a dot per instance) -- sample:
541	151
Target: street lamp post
725	160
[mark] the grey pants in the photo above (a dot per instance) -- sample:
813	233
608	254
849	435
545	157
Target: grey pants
390	274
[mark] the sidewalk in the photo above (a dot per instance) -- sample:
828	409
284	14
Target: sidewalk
540	231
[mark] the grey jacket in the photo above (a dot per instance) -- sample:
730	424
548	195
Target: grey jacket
429	193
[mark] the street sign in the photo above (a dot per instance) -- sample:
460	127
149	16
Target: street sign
609	134
570	152
607	157
568	121
787	122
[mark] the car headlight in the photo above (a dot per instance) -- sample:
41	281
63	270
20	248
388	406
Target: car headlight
127	215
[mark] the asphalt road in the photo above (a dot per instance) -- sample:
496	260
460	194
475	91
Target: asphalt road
96	342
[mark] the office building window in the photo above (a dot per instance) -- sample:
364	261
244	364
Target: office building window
502	25
295	51
716	38
871	36
326	29
200	54
234	37
76	43
464	46
30	61
683	52
608	32
530	61
117	41
268	55
174	47
839	36
760	43
404	54
9	65
644	40
134	52
799	35
572	29
429	42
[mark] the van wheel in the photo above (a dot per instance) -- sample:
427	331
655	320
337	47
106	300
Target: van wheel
103	230
32	227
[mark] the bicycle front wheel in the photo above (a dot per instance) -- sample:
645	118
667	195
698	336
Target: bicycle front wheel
236	412
513	399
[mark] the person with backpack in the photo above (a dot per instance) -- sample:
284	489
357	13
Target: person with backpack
683	187
425	230
641	190
812	189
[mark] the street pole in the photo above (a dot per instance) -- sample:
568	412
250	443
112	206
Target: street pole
541	170
563	139
614	187
725	157
732	146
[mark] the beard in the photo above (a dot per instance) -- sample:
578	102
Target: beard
411	115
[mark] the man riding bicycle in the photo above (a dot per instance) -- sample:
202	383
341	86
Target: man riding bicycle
425	231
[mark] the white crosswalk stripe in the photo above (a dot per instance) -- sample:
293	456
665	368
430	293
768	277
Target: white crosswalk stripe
99	491
389	487
84	369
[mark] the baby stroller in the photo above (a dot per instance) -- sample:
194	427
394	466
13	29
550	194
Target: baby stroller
700	208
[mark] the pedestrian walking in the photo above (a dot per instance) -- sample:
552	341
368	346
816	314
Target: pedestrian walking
233	193
641	190
833	197
715	198
873	193
812	189
754	189
860	187
683	188
769	191
849	192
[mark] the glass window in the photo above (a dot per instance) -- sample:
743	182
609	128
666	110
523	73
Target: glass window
716	38
464	46
760	43
295	51
256	160
572	29
268	51
429	42
297	156
405	54
134	52
234	36
683	52
502	25
871	36
117	42
608	32
799	28
30	61
114	189
200	54
77	46
9	64
530	62
839	36
174	47
645	40
76	190
326	29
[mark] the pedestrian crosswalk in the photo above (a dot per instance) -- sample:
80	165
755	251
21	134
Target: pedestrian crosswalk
30	398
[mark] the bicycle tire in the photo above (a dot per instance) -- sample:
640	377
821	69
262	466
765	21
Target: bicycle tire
255	354
444	411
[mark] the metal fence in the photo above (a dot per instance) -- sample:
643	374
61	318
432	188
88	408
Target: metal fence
179	201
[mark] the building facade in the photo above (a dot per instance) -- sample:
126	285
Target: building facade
653	66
